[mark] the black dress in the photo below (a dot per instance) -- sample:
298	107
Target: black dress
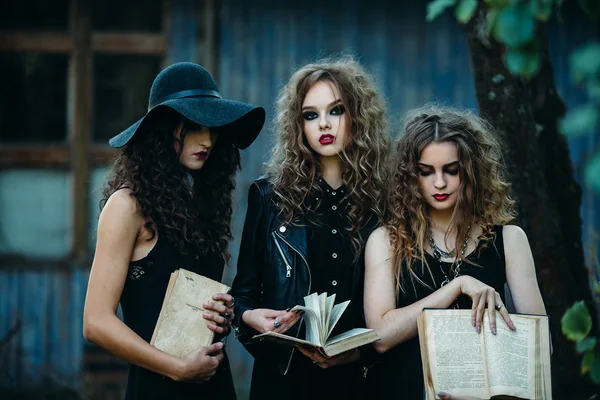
141	302
399	375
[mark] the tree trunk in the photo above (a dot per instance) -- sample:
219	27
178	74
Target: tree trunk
526	114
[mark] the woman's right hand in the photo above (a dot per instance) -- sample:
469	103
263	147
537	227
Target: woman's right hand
202	364
483	296
264	319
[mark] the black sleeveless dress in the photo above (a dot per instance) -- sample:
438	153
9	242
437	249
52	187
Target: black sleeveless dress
141	302
399	375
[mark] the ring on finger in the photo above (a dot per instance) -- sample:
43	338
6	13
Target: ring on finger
227	315
499	307
276	323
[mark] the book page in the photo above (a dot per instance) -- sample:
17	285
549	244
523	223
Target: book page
510	357
312	302
312	320
336	314
327	312
349	340
455	353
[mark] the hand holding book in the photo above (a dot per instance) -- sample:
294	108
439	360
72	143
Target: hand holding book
265	320
321	314
326	362
222	313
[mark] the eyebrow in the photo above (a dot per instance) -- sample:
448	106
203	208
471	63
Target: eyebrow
333	103
453	163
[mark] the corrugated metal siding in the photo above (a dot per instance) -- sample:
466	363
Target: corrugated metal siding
49	306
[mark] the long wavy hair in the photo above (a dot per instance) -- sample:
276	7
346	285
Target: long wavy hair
190	209
484	198
294	167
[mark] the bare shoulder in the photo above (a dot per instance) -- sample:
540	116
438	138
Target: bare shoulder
380	235
378	249
514	236
122	204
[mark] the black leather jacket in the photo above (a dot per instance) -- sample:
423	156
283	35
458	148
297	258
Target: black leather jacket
273	272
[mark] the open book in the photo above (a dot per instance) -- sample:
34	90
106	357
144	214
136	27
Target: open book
180	328
510	364
321	314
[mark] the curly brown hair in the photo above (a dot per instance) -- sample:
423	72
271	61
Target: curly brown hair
189	208
294	167
484	195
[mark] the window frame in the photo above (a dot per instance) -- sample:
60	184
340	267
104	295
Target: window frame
78	154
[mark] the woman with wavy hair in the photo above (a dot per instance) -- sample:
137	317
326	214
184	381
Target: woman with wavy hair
306	225
167	205
445	242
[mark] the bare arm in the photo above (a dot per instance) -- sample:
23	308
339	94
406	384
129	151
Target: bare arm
118	229
520	272
394	325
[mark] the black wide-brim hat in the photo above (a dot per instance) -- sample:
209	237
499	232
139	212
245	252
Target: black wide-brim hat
190	90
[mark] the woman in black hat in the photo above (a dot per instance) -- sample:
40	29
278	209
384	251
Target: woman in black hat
167	205
306	225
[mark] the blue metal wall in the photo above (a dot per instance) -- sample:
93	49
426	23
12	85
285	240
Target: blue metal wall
260	44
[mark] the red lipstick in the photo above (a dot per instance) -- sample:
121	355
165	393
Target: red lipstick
326	139
201	155
441	196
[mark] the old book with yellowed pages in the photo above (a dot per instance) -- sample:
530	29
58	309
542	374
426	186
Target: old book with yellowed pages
321	314
180	328
510	364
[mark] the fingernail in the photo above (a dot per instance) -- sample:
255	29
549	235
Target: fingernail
441	394
206	303
514	328
473	322
494	330
206	314
214	296
478	329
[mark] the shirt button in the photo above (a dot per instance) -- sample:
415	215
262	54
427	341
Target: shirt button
334	283
334	255
334	208
333	193
334	231
282	229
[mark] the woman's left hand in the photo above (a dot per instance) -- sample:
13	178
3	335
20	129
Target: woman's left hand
324	362
448	396
223	305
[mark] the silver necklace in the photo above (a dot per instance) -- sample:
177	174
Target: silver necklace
439	254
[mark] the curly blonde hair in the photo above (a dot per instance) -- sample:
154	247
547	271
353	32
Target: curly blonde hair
294	167
484	195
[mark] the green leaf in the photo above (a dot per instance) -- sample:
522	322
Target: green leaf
592	173
595	371
436	7
585	61
577	322
586	344
580	121
541	9
515	25
490	20
522	62
591	8
464	10
586	362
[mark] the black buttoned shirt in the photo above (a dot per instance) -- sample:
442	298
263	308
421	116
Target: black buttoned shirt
330	251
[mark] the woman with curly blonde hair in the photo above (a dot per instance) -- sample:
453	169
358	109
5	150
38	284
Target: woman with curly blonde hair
306	226
445	242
